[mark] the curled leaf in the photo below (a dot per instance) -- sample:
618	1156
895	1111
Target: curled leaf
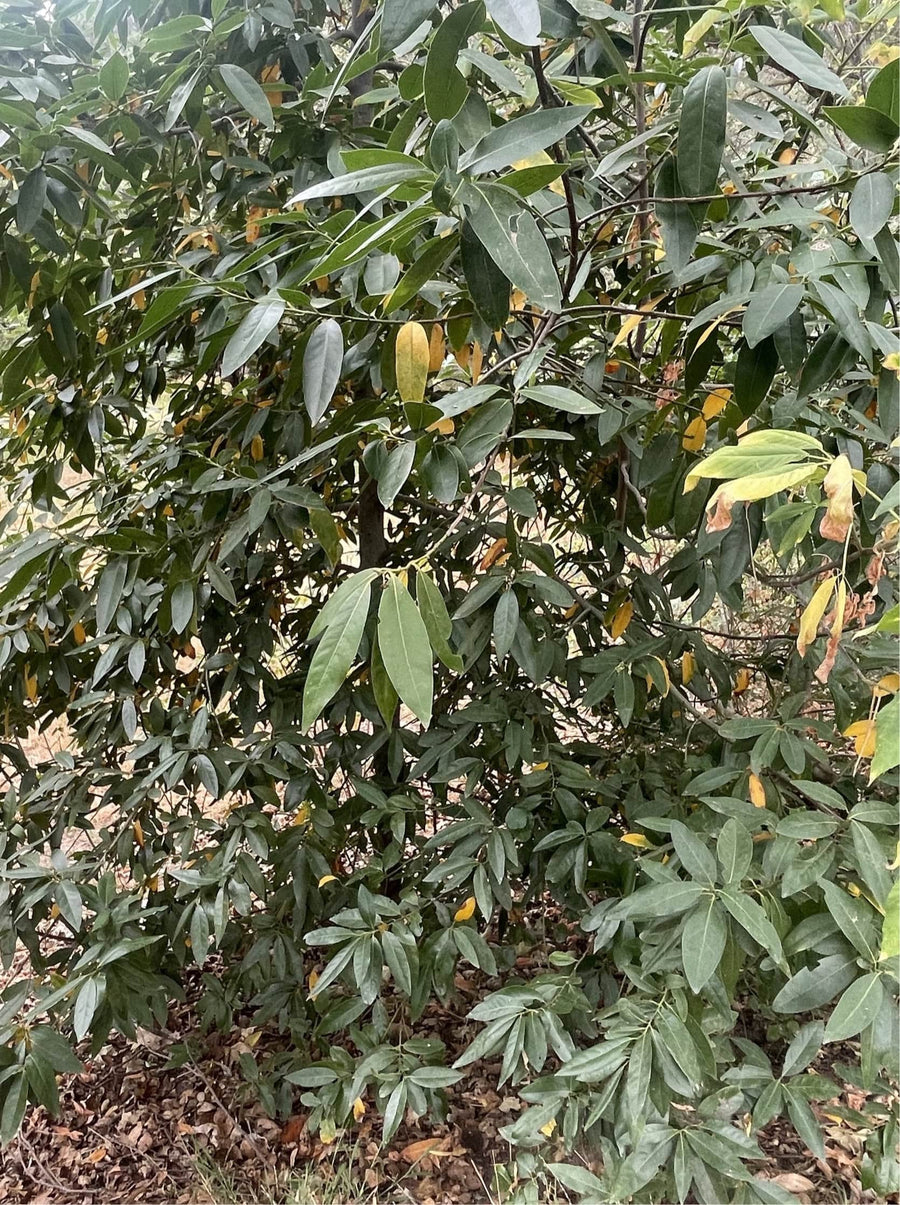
812	614
838	486
466	911
863	736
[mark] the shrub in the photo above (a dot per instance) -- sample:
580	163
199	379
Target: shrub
450	467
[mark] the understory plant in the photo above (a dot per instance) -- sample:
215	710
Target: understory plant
449	455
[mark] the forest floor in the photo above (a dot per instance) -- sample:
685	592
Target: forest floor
139	1125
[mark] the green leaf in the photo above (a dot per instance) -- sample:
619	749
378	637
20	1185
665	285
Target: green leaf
703	942
856	1009
13	1106
701	132
522	137
890	932
109	594
559	398
662	899
680	223
30	203
114	77
342	601
252	332
751	917
401	18
445	85
488	286
812	988
182	605
371	179
578	1179
406	649
770	309
799	59
755	371
511	237
518	19
694	856
437	621
734	849
506	622
247	92
869	128
804	1047
871	203
337	649
86	1003
854	917
395	471
322	361
220	582
884	90
887	747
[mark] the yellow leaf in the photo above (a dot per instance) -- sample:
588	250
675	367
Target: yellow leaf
102	335
78	633
895	865
636	839
256	447
757	792
888	685
838	486
313	980
621	619
549	1127
476	362
359	1108
633	321
694	435
892	361
327	1131
863	736
715	402
466	911
494	553
31	685
665	670
436	348
138	833
812	614
327	878
688	666
321	283
741	681
411	359
463	355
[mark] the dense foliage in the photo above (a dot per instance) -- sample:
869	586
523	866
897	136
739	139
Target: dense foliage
450	464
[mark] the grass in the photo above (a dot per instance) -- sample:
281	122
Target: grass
334	1181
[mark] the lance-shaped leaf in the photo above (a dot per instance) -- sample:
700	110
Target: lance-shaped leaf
322	367
406	649
336	650
701	132
523	136
799	59
510	236
871	203
247	92
703	942
770	309
411	360
856	1009
679	221
372	179
518	19
253	330
401	18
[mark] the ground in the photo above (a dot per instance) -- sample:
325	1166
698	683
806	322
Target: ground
133	1129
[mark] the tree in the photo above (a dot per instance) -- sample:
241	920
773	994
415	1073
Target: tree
451	467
